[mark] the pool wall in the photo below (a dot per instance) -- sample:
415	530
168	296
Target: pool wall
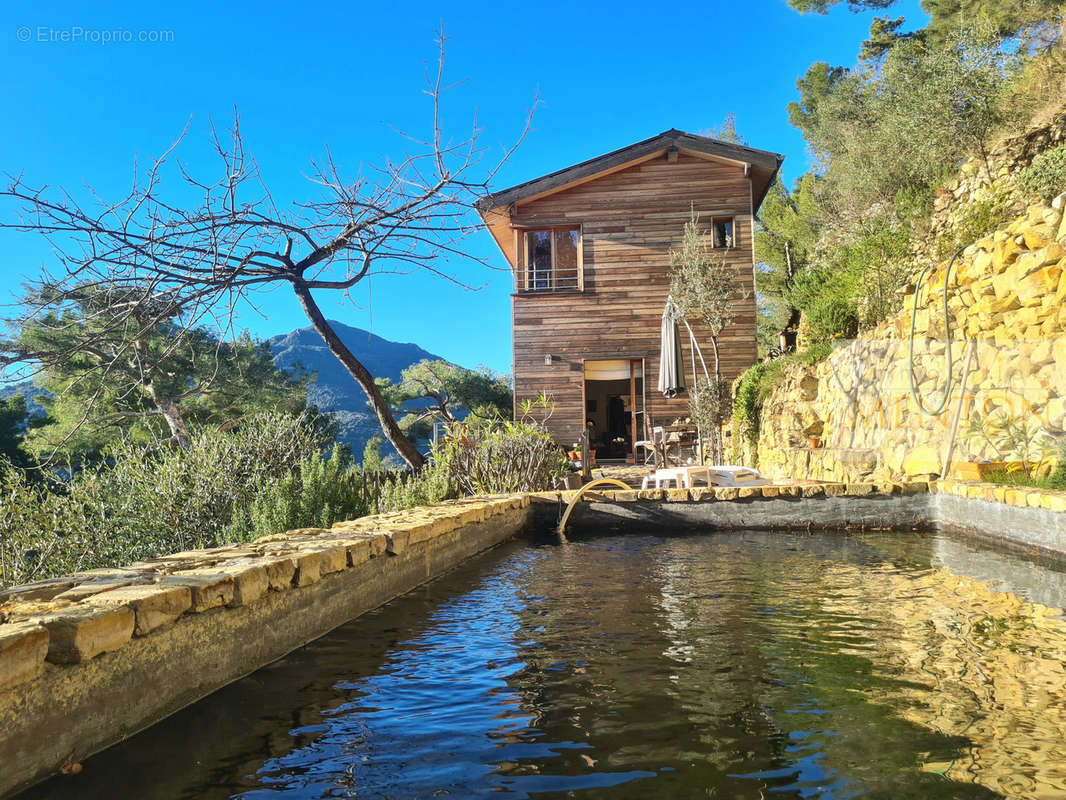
89	660
1015	518
895	506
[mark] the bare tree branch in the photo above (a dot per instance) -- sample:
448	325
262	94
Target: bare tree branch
154	253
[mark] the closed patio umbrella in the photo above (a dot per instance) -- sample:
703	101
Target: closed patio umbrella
671	367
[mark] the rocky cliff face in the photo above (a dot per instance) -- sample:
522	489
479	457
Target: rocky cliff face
1007	321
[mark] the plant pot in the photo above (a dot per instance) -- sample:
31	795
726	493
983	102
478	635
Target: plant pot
814	442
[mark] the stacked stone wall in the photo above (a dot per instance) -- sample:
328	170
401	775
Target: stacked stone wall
980	179
1007	322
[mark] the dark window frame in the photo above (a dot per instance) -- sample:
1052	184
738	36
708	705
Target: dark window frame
731	240
528	278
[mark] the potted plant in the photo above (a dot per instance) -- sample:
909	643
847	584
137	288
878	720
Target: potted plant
1020	447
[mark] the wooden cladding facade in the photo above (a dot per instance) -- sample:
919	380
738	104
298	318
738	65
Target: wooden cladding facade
629	220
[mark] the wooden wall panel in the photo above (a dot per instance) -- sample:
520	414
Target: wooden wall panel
630	220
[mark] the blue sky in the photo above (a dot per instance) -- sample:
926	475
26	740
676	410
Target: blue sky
78	109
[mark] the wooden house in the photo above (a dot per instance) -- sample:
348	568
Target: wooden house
589	246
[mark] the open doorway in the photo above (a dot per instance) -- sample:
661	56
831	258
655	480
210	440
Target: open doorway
614	407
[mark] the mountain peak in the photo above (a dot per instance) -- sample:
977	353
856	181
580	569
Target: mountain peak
333	389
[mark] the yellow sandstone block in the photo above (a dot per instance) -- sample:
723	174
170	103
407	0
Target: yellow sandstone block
1053	502
153	605
209	589
922	460
79	633
1034	287
280	569
308	568
859	489
23	647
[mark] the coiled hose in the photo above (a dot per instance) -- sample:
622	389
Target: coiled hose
935	412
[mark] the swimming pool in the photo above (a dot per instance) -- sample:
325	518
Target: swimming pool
726	664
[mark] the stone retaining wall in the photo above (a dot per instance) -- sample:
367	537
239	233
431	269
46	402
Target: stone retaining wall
90	659
982	178
1006	296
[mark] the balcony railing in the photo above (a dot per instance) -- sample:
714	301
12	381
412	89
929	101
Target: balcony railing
530	280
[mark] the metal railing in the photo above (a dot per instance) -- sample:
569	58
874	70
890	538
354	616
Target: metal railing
532	279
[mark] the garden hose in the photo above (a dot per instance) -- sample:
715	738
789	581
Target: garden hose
936	412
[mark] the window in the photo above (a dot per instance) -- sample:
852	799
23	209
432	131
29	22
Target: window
722	232
551	260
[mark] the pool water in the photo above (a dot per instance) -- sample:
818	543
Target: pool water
726	665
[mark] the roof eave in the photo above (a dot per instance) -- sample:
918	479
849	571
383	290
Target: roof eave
558	180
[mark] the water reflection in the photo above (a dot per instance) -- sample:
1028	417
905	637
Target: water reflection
723	665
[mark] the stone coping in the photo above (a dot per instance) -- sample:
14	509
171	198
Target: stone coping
1018	496
69	620
705	494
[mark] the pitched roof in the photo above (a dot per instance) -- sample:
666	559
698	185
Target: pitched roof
764	166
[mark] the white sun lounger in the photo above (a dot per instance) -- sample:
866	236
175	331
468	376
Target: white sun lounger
730	475
717	475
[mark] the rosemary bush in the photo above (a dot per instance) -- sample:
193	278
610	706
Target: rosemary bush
143	502
502	457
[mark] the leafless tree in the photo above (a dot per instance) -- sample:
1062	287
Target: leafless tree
217	243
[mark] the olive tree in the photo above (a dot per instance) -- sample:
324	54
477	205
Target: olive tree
704	288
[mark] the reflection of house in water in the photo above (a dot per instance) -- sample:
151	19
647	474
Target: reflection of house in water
609	664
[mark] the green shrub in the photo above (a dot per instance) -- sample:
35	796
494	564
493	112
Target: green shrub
746	404
878	264
502	457
859	280
142	502
483	458
430	486
974	220
1046	176
1057	478
321	492
825	296
834	318
751	391
818	351
32	543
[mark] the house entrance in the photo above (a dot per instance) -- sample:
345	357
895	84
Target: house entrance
614	407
